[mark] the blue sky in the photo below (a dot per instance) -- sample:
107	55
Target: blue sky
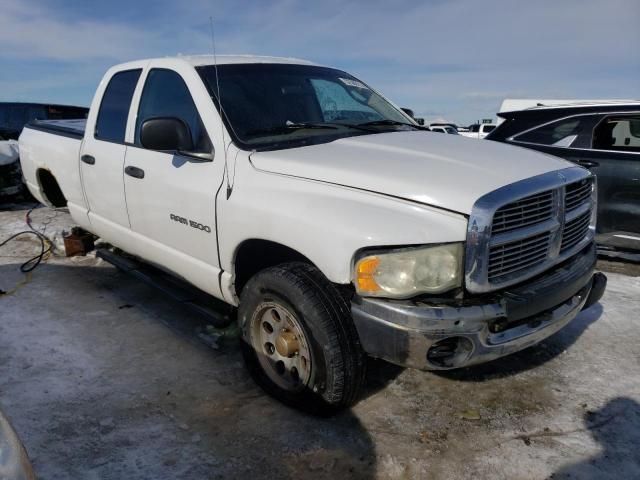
453	60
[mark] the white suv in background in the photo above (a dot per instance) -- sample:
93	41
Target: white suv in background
444	129
479	130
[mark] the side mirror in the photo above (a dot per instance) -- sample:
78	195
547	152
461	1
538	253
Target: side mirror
419	121
408	111
165	133
170	134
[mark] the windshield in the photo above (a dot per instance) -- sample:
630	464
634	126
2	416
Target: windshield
280	105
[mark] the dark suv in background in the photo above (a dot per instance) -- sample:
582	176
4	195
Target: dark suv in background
13	117
605	138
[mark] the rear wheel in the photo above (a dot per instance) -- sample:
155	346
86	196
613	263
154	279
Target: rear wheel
299	341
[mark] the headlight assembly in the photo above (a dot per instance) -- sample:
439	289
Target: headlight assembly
406	273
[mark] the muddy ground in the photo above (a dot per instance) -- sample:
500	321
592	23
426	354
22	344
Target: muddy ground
105	377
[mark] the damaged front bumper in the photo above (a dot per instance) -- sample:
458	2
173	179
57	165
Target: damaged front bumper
437	337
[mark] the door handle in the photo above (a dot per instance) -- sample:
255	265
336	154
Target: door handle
134	172
88	159
588	163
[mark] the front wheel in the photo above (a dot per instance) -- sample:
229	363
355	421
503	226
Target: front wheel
299	341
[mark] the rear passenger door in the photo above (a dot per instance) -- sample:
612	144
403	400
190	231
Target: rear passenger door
589	141
102	155
615	154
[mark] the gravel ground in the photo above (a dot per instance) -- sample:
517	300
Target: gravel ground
104	377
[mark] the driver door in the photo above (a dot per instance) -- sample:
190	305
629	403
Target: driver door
171	198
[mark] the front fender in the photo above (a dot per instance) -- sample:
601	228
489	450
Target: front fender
326	223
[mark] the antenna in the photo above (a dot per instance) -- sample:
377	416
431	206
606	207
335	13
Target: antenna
215	62
224	142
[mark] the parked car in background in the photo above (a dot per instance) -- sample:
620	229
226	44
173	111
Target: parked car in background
13	117
10	174
443	129
516	104
478	130
605	138
411	113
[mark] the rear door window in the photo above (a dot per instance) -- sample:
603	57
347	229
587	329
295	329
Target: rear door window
569	132
618	133
114	108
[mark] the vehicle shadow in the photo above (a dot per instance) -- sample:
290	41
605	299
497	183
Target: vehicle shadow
616	428
147	392
531	357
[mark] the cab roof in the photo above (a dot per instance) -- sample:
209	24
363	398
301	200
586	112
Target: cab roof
201	60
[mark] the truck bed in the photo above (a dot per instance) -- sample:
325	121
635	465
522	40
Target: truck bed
49	153
73	128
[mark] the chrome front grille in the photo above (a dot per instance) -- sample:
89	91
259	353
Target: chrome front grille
514	237
575	230
528	211
577	194
517	255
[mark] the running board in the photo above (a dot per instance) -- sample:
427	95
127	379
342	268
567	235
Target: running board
216	311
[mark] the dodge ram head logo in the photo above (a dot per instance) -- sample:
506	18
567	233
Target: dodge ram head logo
190	223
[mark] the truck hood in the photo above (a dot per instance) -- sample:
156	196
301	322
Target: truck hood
445	171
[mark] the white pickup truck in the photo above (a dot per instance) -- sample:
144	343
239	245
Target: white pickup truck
478	131
335	224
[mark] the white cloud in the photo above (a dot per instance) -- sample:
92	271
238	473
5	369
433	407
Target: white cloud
453	58
28	30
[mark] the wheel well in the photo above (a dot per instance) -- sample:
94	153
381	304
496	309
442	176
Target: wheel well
255	255
50	188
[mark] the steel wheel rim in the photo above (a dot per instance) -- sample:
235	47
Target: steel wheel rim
281	346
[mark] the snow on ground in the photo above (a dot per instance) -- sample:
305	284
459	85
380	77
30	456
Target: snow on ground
104	377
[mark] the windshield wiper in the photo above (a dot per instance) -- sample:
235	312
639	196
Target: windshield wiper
385	122
291	127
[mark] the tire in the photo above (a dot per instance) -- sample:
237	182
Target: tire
318	319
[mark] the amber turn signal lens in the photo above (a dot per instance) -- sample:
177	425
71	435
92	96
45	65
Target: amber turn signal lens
365	275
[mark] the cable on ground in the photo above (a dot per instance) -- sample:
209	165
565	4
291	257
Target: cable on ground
46	246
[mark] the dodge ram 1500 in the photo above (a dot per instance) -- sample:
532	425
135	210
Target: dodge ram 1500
335	224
